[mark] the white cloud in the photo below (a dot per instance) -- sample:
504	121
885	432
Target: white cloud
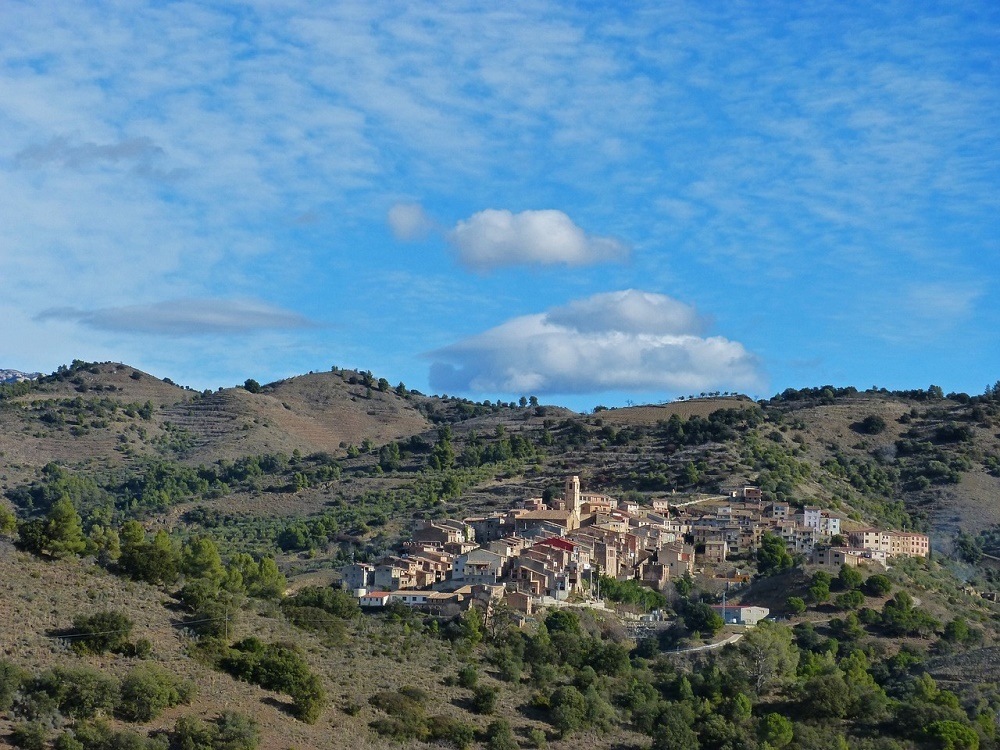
188	317
495	238
409	221
619	341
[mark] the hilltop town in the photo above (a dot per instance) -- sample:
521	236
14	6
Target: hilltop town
548	553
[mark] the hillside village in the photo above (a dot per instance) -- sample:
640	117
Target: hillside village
539	554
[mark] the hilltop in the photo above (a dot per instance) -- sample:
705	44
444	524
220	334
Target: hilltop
321	469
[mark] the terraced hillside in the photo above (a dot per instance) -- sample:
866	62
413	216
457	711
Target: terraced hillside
192	513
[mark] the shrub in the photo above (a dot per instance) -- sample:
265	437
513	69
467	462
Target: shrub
568	708
147	690
499	736
468	676
484	699
453	731
191	733
29	735
11	677
537	738
236	731
280	667
872	425
101	632
308	699
79	693
406	714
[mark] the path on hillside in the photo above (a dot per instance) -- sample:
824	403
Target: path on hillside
709	647
699	500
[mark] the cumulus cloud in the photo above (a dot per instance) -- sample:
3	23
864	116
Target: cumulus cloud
409	221
189	317
495	238
618	341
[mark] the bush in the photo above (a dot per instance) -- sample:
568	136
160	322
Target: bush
280	667
568	708
499	736
79	693
872	425
29	735
147	690
406	714
484	700
457	733
468	676
11	677
101	632
308	699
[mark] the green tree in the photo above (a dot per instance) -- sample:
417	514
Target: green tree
154	562
29	735
772	556
673	731
877	585
775	730
251	385
701	618
235	731
849	600
388	457
200	558
952	735
104	542
568	708
468	676
826	696
768	657
684	585
795	605
8	521
819	587
957	631
62	533
849	578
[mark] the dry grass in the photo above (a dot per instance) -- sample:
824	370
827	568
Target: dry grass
651	414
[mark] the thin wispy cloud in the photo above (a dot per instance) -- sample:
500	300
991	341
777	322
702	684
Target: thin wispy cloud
61	151
629	340
763	161
188	317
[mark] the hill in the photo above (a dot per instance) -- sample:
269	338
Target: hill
321	469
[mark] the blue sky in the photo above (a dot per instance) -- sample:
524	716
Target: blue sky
589	204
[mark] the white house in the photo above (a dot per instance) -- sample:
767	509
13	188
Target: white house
741	614
374	599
